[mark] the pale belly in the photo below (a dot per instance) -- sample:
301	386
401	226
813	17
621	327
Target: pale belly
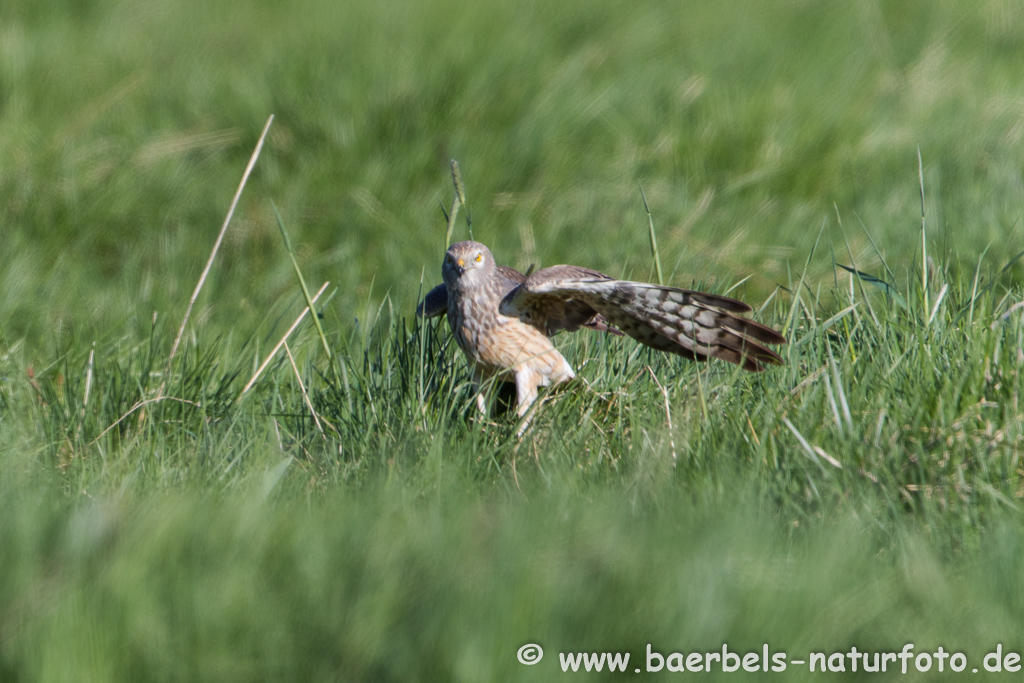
505	346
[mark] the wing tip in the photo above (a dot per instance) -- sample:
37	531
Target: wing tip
434	304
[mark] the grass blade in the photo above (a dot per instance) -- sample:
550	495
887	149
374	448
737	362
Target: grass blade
302	282
881	284
654	239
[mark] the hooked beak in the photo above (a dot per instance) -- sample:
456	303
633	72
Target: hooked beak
460	266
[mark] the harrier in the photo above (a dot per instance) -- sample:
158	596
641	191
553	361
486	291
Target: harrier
503	320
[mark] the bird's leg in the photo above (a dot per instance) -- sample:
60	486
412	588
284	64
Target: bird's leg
527	381
481	402
478	387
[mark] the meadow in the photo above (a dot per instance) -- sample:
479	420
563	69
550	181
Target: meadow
850	169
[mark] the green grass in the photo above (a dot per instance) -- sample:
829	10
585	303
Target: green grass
158	524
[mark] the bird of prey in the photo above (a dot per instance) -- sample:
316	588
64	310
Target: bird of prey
503	320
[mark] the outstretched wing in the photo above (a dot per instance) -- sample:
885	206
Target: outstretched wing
435	303
538	302
690	324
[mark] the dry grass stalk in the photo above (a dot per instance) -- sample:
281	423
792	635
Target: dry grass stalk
277	348
216	246
305	395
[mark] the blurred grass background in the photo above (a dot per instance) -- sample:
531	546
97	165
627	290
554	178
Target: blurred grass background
222	539
125	125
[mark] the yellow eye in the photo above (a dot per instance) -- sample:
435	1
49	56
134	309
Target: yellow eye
479	257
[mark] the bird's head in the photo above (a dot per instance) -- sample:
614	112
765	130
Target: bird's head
465	263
